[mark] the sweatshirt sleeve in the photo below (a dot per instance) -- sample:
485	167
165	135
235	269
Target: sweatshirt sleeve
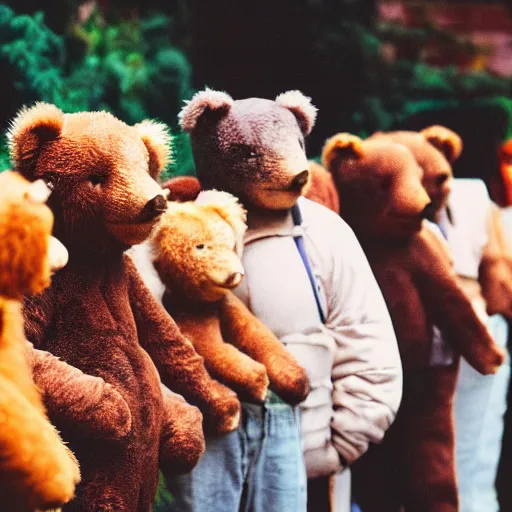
367	371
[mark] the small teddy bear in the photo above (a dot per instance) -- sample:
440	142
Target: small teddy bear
197	248
382	198
97	315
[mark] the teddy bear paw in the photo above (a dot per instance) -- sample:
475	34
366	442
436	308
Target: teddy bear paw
293	385
224	414
117	416
258	382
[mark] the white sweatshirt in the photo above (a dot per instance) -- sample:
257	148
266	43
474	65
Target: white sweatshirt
353	360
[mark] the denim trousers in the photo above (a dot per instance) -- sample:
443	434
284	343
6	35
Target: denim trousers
257	468
479	408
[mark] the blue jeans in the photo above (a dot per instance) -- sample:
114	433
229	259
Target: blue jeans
257	468
479	408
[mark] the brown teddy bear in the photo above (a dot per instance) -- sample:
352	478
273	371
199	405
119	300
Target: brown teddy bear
382	198
36	469
98	315
435	149
321	187
197	248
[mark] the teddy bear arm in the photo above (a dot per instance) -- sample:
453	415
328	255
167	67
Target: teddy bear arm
182	441
495	272
224	362
37	317
86	404
180	366
252	336
38	470
452	312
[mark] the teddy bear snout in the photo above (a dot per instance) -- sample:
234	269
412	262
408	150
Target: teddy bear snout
233	280
298	182
153	208
58	255
428	211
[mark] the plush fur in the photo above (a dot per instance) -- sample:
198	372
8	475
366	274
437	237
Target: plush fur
435	149
231	138
495	272
197	248
321	188
382	198
98	315
36	469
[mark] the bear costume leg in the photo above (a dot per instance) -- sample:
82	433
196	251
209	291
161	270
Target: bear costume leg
414	467
429	444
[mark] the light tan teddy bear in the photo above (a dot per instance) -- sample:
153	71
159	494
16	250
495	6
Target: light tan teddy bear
197	248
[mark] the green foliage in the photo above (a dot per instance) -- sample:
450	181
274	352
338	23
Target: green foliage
163	497
407	85
182	158
127	67
32	55
4	157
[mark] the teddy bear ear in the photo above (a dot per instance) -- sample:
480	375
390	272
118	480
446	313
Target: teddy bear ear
341	146
29	131
203	102
157	139
301	107
182	188
229	208
445	140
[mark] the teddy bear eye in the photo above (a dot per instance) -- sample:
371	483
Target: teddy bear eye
200	247
441	179
96	180
50	181
244	151
385	184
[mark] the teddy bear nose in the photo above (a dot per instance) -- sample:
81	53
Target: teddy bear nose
153	208
299	181
233	280
428	211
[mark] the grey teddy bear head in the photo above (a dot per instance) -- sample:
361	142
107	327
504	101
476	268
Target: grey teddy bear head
252	148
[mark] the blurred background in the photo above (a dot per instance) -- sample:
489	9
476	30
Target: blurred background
368	65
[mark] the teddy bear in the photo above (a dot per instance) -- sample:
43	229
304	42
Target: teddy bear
472	228
436	148
37	470
321	187
196	249
382	198
97	315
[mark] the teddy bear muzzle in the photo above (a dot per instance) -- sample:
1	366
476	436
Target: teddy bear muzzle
58	255
299	182
233	280
153	209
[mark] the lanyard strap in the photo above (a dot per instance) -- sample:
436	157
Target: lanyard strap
299	242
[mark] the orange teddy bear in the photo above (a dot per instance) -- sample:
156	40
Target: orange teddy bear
197	248
36	469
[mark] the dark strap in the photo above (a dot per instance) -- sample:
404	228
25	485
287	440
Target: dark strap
299	242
